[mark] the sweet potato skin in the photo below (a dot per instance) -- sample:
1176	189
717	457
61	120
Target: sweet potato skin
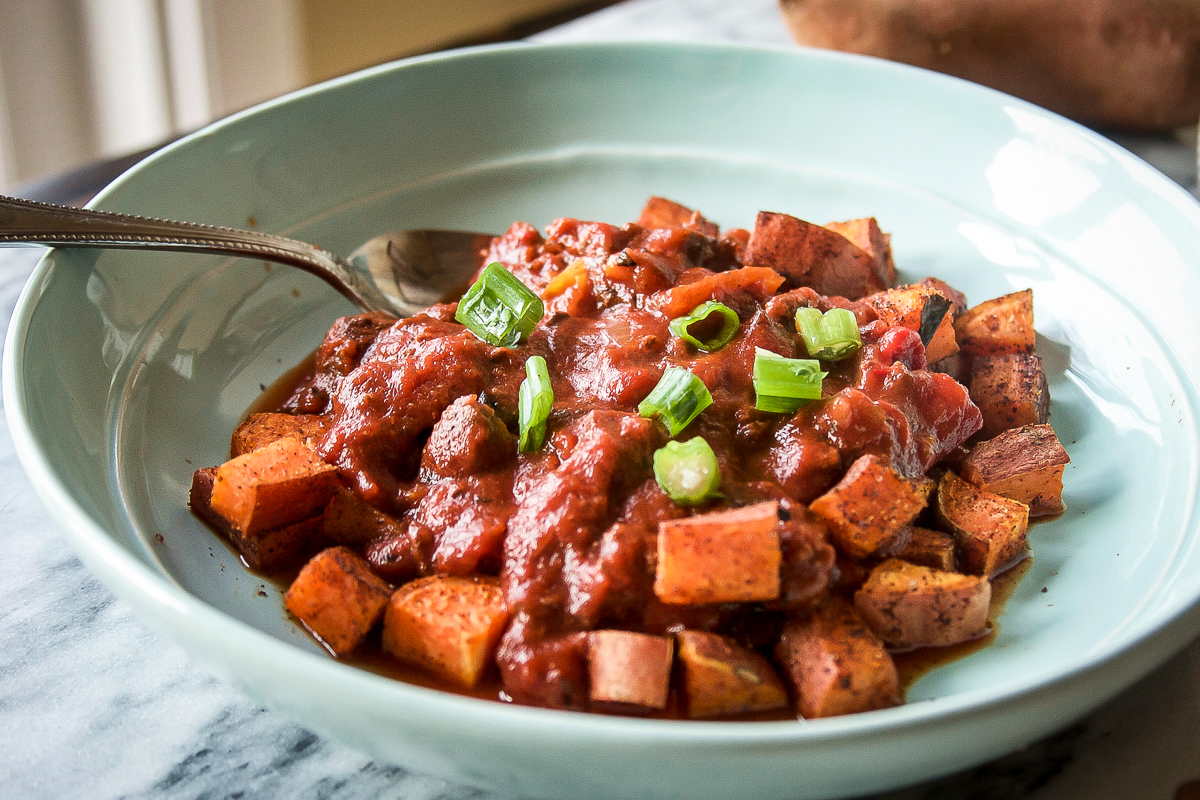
721	557
870	507
629	669
338	599
913	606
448	625
282	483
721	677
1024	464
989	530
836	664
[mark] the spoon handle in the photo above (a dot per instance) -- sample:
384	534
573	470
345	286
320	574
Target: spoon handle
32	222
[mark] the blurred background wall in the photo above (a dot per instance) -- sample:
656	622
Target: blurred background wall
82	80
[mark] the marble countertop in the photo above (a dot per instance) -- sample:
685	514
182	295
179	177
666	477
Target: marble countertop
95	705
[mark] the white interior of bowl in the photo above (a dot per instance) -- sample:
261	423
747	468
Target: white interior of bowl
125	372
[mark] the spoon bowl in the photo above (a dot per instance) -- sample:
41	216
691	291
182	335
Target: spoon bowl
401	273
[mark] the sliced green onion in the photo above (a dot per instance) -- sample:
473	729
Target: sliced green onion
709	326
677	399
498	308
687	471
782	385
534	399
830	336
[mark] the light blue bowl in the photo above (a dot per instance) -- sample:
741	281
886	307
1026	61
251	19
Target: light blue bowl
124	372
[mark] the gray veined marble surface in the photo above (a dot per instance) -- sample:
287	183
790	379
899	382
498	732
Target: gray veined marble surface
94	705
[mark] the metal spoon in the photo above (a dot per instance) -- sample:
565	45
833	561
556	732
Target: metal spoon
401	273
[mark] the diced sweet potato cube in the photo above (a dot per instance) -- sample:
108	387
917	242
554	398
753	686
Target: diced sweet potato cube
865	234
721	677
276	485
629	668
259	430
1001	325
811	255
929	548
922	309
468	437
870	506
348	520
660	212
270	549
988	529
836	664
909	605
1024	464
722	557
338	599
448	625
1010	391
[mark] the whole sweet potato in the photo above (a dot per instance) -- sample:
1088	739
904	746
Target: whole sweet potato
1129	64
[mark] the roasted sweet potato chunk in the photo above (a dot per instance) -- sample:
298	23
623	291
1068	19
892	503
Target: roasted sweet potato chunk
909	605
447	625
921	309
989	530
929	548
997	326
629	669
338	598
866	234
870	506
270	549
276	485
836	664
721	677
348	520
1010	391
660	212
1024	464
259	430
722	557
811	255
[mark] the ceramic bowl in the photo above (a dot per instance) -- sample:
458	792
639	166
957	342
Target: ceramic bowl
124	372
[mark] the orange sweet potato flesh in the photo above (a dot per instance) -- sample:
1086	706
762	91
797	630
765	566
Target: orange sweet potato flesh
338	599
447	625
836	664
866	235
277	485
1024	464
265	550
870	506
1001	325
660	212
629	669
811	255
1010	391
259	430
988	529
721	557
721	677
909	605
760	283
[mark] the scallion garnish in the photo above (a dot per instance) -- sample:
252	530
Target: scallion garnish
498	308
831	336
534	399
709	326
782	385
677	399
687	471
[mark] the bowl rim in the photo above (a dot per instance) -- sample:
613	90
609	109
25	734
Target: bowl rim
119	568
